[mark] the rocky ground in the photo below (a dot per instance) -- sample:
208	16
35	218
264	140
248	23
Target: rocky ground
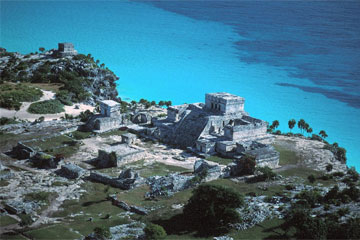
19	179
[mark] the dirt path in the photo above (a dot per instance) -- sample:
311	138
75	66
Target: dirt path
47	95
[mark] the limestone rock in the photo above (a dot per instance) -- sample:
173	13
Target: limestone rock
71	171
167	185
212	171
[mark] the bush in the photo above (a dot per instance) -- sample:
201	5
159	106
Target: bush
46	107
212	208
64	97
11	96
311	178
154	231
329	167
312	197
102	233
84	116
5	121
267	173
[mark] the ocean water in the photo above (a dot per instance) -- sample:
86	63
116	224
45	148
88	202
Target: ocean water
288	59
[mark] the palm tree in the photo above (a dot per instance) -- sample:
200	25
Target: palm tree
323	134
41	49
309	130
301	124
102	65
291	124
97	62
275	124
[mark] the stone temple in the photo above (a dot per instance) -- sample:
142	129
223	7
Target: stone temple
108	119
66	49
220	126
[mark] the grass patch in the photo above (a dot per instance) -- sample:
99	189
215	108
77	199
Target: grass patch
160	169
54	87
40	196
80	135
6	220
59	145
92	204
12	95
245	188
269	229
220	160
12	237
112	133
286	156
6	121
304	172
57	231
46	107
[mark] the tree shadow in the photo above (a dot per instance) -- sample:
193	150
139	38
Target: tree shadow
181	225
89	203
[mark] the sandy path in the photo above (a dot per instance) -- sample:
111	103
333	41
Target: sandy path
47	95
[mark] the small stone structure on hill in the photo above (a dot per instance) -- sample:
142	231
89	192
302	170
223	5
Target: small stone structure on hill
220	126
108	119
66	49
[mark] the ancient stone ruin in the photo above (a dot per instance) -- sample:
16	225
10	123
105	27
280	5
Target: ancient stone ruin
66	49
220	126
108	119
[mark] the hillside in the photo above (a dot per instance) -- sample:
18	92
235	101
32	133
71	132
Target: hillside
76	79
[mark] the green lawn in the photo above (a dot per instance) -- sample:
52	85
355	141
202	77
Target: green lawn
57	231
6	220
220	160
286	156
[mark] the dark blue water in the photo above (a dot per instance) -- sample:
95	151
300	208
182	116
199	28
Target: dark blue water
315	40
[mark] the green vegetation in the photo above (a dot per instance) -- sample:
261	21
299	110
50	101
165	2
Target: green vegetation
154	232
46	107
78	135
212	208
56	231
5	121
6	220
59	146
40	196
339	152
286	156
12	95
220	160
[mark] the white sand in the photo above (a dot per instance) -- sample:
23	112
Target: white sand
47	95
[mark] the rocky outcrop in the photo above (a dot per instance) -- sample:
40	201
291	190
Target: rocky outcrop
71	171
128	179
97	81
208	171
135	209
19	207
44	160
167	185
22	151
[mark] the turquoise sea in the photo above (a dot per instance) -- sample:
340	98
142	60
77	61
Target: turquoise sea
289	59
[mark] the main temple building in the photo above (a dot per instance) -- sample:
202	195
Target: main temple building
220	126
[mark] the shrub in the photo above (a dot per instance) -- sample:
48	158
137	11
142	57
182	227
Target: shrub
311	197
84	116
212	207
46	107
154	231
329	167
311	178
5	121
64	97
102	233
11	96
267	173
